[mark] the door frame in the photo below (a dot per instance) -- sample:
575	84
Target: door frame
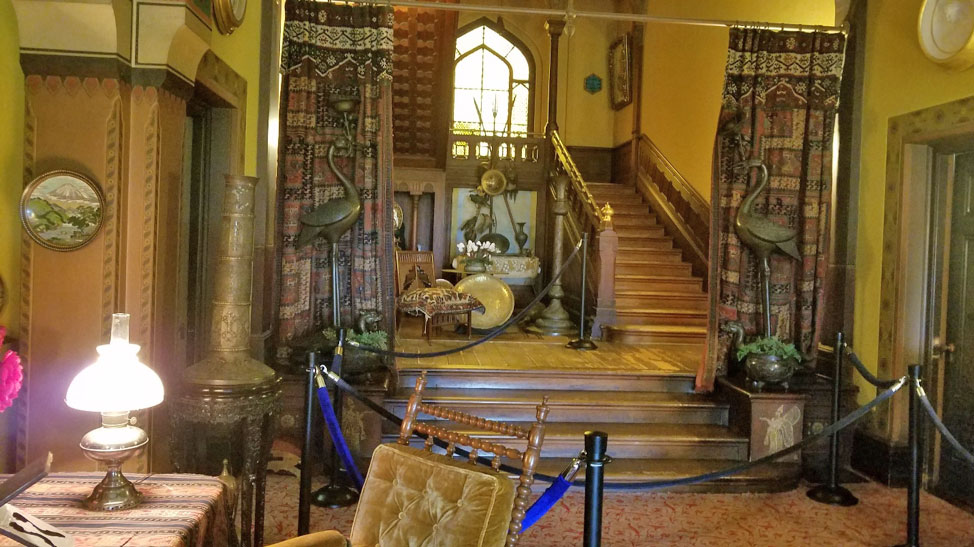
915	257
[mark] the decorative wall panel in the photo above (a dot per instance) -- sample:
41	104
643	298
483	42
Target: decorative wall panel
421	99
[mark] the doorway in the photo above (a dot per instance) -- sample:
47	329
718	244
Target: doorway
952	337
206	157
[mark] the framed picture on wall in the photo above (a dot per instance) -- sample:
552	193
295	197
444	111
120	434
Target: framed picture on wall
620	72
62	210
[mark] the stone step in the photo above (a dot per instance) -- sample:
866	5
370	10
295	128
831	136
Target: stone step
644	441
560	380
636	254
573	406
677	284
663	299
661	316
643	267
655	334
644	243
641	232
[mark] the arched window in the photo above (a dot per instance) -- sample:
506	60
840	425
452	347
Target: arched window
493	72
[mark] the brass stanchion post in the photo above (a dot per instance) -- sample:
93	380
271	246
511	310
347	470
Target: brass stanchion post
554	321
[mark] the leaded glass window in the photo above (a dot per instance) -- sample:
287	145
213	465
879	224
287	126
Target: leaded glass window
492	82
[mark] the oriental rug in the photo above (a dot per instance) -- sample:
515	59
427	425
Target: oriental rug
645	519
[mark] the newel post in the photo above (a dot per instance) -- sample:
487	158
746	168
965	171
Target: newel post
605	302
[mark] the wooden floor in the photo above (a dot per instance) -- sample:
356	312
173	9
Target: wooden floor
517	350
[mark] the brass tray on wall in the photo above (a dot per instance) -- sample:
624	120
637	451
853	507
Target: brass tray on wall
494	294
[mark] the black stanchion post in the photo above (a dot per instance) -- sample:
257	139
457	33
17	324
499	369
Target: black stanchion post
336	494
595	459
304	492
913	488
583	342
832	493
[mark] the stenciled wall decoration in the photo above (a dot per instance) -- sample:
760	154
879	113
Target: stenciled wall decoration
62	210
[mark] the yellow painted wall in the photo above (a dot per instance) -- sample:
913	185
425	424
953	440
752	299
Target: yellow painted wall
898	80
11	162
241	50
586	119
683	75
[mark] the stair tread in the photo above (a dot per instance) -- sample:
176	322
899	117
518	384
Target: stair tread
502	397
622	371
631	260
651	277
661	432
654	311
659	328
649	292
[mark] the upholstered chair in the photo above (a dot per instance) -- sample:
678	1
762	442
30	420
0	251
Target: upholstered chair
413	496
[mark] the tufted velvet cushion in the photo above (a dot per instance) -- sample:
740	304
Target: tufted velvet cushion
433	300
417	499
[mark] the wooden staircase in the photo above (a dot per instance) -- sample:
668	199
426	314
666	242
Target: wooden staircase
658	299
658	428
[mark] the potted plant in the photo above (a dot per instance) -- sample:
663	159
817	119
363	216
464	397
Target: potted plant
768	360
359	366
476	255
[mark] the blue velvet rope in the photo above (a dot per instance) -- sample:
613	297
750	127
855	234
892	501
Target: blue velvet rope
337	439
547	500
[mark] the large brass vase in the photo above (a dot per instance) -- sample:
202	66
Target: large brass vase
228	362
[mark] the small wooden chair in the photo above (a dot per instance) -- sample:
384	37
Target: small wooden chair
439	305
528	458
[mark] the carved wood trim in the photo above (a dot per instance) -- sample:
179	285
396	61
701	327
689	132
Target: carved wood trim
682	210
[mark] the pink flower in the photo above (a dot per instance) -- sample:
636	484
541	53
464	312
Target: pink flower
11	376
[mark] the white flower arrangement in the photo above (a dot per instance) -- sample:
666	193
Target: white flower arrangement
477	250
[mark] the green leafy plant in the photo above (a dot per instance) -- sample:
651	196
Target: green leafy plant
373	338
769	345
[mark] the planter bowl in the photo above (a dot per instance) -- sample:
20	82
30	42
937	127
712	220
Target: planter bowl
769	369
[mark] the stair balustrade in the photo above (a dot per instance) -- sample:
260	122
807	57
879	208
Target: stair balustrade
585	215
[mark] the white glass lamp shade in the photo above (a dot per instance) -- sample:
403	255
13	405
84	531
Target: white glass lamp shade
116	382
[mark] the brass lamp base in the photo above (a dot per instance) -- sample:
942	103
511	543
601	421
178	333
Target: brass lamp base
113	493
112	444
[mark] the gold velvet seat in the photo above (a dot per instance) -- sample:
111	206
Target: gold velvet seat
413	497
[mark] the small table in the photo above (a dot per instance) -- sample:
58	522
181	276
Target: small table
176	510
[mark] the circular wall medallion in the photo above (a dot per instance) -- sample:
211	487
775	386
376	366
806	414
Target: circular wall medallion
62	210
494	294
946	32
229	14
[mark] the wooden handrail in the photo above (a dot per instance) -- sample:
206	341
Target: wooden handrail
602	217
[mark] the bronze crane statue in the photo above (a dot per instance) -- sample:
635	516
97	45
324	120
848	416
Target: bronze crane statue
336	216
763	236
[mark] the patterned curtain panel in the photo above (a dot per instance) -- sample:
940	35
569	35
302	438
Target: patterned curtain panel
779	103
331	50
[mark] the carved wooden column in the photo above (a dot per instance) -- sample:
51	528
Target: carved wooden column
554	28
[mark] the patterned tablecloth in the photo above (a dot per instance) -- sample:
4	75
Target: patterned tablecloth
176	510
